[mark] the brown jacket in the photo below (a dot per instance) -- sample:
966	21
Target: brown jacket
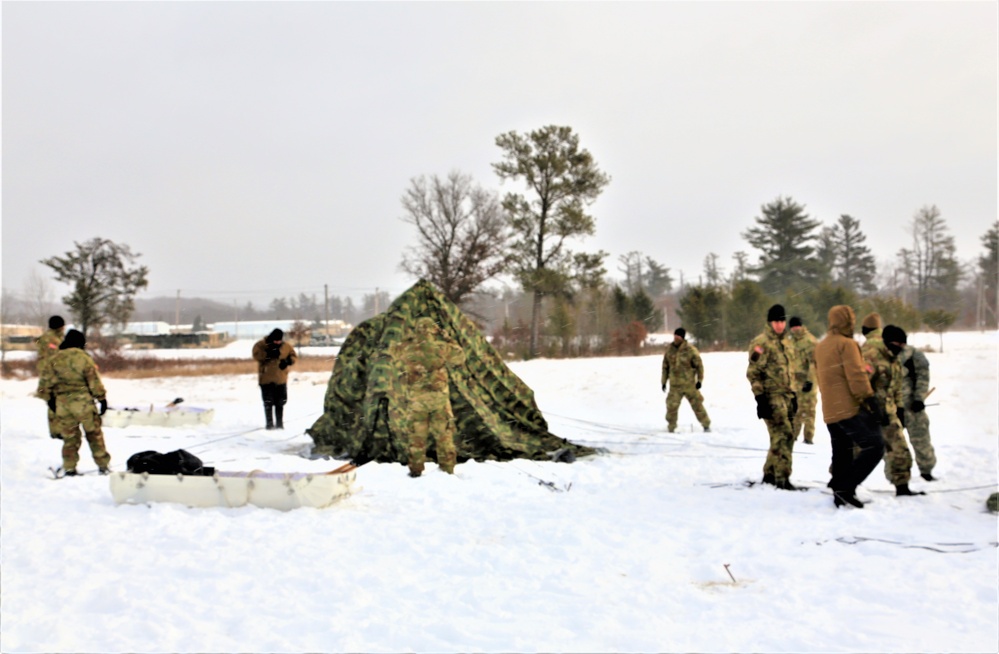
269	370
843	375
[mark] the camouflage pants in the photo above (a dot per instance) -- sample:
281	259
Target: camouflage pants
918	426
805	416
898	459
778	463
73	412
677	392
430	417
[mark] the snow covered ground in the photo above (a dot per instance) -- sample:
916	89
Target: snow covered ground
626	551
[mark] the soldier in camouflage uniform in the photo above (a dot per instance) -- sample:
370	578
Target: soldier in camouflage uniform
48	344
683	369
915	387
803	345
425	356
771	373
880	352
71	379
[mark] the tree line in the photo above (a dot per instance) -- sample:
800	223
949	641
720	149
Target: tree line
564	301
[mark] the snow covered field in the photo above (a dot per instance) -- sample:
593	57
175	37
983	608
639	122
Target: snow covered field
626	551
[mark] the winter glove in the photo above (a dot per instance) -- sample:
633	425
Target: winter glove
104	406
918	405
877	411
697	385
664	388
284	363
763	409
52	404
273	351
806	387
900	412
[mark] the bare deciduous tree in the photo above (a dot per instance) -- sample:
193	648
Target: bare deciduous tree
462	234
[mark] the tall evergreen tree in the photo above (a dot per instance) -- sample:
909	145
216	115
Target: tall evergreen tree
931	267
562	180
988	270
853	263
701	312
784	234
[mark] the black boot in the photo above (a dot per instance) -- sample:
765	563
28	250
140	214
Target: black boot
927	476
269	413
279	416
769	479
785	484
903	490
842	497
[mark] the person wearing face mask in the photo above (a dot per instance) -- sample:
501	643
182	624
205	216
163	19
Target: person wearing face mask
880	352
771	373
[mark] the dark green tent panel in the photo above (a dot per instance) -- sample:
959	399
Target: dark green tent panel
495	412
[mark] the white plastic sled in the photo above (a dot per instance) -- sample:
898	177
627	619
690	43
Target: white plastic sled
281	491
165	416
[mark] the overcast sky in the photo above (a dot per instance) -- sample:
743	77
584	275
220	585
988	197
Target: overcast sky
255	150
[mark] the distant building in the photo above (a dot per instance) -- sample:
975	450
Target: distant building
257	329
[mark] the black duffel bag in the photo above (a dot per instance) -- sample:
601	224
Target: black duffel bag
178	462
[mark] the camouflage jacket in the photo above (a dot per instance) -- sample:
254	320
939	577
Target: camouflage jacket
424	362
682	365
803	346
70	372
885	372
916	371
48	344
772	367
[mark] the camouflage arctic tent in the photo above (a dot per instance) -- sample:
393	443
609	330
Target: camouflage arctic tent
495	413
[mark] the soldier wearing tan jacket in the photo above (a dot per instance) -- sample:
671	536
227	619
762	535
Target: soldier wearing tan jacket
848	409
274	357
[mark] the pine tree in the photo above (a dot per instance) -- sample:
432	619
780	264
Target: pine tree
988	267
784	234
853	264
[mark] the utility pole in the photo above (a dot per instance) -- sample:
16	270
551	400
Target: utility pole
176	315
326	310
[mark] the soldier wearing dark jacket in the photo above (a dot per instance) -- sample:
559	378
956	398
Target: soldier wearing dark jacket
683	370
71	382
915	388
48	344
771	373
274	357
848	408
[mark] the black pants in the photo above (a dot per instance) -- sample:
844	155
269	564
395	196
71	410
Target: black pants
274	394
861	430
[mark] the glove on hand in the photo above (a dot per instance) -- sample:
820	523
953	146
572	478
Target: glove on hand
806	387
273	350
51	403
664	388
877	410
697	385
918	405
763	409
104	406
284	363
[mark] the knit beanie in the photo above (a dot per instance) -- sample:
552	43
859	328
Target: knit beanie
776	313
681	332
871	322
893	334
275	336
55	322
795	322
73	339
